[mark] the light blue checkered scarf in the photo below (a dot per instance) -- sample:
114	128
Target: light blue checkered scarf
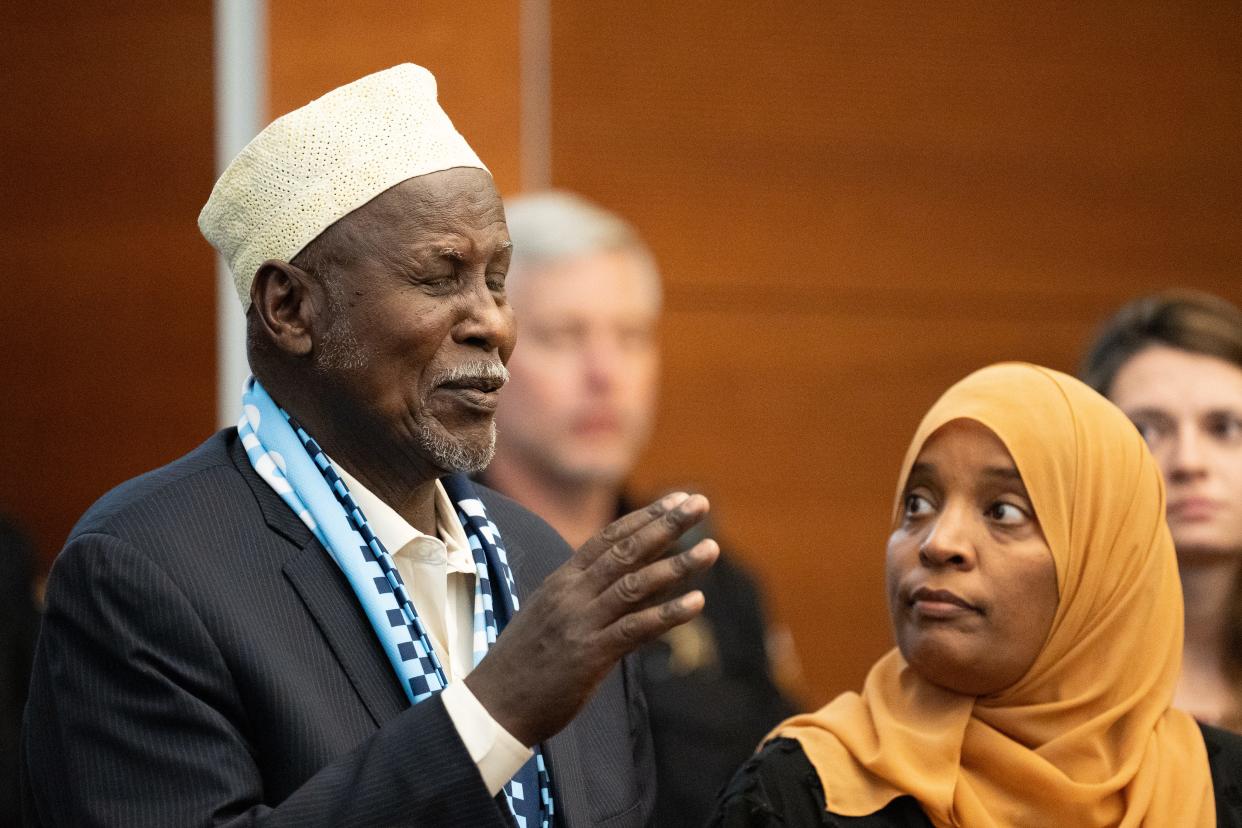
296	468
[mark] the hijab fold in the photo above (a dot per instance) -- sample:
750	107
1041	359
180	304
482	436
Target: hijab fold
1087	736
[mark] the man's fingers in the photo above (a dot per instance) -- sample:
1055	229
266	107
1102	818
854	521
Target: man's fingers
625	526
634	590
647	542
637	628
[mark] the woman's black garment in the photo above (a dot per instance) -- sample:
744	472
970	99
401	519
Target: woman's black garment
779	787
1224	749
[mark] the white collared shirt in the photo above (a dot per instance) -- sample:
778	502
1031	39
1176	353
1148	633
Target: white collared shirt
439	576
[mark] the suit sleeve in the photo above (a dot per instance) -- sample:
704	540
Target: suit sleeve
134	720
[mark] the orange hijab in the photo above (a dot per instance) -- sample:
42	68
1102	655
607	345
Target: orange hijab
1087	736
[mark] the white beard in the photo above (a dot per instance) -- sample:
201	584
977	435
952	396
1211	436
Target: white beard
455	455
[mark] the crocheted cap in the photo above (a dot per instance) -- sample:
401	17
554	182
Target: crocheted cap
318	163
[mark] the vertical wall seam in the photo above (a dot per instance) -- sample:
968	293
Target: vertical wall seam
241	69
535	34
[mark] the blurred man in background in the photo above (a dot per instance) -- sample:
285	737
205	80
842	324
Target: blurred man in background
572	421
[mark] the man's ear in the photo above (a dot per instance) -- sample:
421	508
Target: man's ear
288	304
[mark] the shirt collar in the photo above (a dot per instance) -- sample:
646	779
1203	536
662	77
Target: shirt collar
393	530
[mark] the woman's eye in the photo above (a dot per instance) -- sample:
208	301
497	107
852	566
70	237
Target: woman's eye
1225	427
917	505
1006	513
1152	431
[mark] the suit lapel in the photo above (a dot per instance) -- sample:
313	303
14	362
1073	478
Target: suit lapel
330	601
279	517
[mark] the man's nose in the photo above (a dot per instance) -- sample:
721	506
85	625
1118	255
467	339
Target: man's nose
601	360
948	543
486	320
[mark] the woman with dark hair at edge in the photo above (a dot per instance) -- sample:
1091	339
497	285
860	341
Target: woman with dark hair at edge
1173	363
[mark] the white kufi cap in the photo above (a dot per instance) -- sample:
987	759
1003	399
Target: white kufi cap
318	163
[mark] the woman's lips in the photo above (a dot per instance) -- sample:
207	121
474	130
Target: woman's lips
1193	508
940	604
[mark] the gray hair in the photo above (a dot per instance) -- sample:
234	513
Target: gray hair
553	226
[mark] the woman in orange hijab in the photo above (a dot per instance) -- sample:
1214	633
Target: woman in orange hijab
1034	595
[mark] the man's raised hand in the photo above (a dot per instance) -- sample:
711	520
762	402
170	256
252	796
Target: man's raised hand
616	593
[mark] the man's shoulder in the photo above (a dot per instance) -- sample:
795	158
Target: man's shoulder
169	489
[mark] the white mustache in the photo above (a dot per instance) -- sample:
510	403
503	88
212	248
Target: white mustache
494	371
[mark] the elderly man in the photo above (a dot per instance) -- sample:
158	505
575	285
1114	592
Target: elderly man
297	623
572	421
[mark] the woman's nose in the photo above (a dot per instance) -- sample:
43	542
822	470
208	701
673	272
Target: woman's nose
948	543
1187	454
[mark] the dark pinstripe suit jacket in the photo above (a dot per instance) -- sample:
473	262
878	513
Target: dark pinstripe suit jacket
204	662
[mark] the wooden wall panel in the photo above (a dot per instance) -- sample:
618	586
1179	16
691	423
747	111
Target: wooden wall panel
471	47
107	328
857	204
854	206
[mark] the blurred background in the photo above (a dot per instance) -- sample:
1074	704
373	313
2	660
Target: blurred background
853	204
